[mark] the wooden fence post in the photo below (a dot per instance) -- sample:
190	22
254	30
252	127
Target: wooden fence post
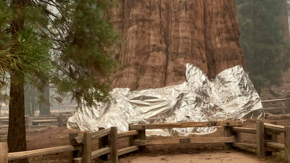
3	152
87	148
142	136
103	142
237	136
60	120
287	144
114	145
260	139
228	133
272	137
131	138
73	154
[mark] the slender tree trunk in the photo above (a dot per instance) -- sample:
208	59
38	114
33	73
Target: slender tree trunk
259	91
33	106
33	100
0	106
16	131
45	107
27	100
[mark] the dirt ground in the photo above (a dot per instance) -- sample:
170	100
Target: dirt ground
213	153
212	157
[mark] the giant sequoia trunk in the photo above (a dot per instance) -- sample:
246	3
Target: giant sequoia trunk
161	36
16	131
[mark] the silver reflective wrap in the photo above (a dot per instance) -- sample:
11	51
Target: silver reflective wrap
230	95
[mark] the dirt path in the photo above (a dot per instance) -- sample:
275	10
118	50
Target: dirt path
217	157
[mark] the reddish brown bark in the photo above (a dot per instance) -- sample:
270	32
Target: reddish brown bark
161	36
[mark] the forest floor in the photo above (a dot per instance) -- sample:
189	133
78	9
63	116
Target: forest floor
211	153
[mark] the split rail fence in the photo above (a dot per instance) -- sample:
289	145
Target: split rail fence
80	147
266	139
37	122
282	109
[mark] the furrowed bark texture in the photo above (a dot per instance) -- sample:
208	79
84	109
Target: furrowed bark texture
161	36
16	131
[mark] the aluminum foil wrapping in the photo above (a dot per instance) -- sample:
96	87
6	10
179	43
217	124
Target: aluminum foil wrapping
230	95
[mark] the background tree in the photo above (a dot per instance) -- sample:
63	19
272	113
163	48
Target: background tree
30	99
44	108
63	44
262	40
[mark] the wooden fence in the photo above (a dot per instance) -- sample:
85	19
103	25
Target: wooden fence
80	147
266	139
283	109
37	122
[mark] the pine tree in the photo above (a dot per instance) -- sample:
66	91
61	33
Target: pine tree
262	40
64	44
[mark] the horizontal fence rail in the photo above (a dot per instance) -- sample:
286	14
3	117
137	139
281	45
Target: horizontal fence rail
107	150
4	118
275	145
275	128
129	133
245	145
274	100
127	150
274	108
244	130
39	152
185	125
101	152
195	140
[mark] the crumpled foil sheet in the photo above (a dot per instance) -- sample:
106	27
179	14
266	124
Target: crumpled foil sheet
230	95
